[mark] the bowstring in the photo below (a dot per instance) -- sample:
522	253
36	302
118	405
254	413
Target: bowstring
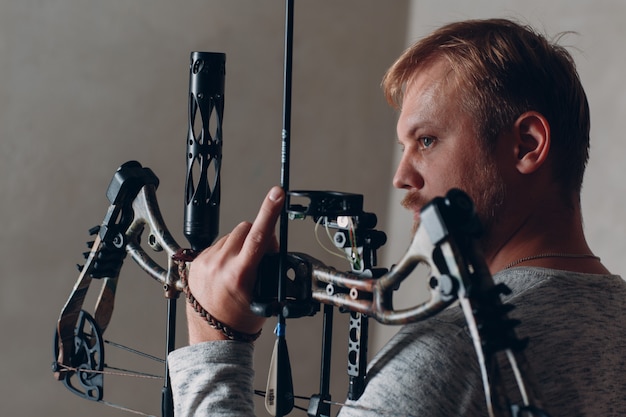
135	351
129	410
130	372
378	411
116	372
137	374
121	372
125	373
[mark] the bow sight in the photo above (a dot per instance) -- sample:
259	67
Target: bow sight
353	233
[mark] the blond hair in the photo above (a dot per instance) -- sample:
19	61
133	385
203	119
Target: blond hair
505	69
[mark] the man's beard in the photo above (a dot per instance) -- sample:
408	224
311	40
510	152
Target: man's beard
486	189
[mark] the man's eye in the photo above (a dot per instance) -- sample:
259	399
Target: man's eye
426	141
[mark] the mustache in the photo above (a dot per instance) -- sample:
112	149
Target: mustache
412	201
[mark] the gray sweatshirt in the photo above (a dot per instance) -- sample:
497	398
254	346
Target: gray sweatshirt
577	329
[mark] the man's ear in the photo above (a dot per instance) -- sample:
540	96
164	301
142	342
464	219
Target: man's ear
532	133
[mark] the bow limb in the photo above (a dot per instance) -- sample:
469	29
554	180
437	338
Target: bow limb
78	345
70	313
103	261
105	303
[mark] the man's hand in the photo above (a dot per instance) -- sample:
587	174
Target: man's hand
222	277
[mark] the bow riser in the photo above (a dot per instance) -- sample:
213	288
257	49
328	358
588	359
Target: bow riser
433	245
148	220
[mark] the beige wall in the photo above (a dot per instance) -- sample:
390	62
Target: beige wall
86	86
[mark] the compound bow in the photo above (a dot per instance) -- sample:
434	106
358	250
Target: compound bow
444	241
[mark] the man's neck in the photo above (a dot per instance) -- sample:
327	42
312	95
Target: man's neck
550	236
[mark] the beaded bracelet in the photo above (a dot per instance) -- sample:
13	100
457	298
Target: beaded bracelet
182	258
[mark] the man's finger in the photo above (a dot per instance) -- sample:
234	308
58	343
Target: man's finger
262	231
237	237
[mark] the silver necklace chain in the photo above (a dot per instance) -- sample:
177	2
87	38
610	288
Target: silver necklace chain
553	255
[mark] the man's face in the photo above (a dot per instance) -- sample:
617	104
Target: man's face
441	149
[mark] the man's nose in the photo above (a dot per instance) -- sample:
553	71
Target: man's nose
407	176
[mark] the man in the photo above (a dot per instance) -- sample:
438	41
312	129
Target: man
494	109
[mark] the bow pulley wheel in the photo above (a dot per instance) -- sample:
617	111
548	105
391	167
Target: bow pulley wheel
83	374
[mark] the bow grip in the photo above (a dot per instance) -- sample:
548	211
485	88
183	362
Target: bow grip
299	301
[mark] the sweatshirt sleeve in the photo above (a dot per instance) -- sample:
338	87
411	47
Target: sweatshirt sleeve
212	378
